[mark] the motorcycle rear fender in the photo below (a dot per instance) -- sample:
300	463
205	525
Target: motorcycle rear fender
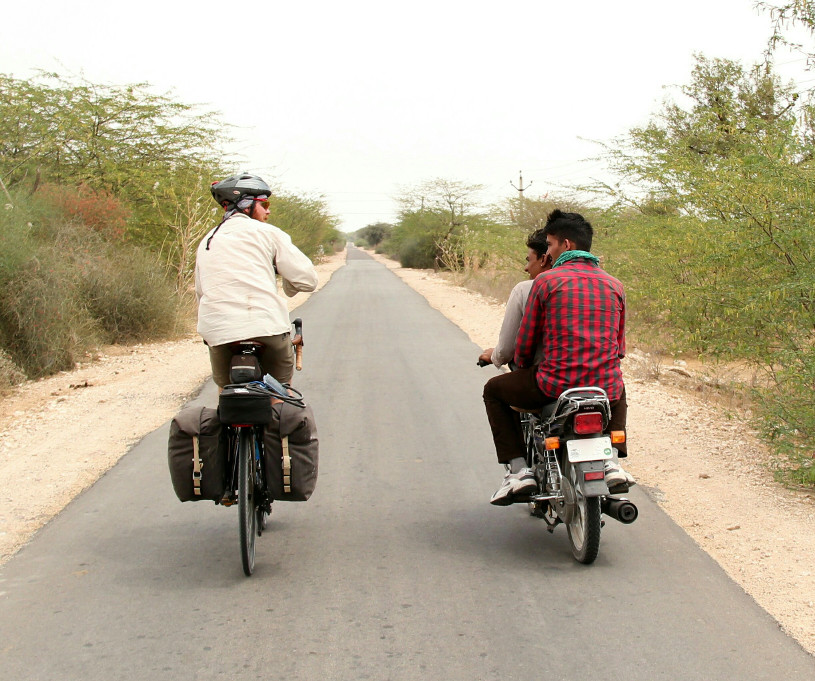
591	488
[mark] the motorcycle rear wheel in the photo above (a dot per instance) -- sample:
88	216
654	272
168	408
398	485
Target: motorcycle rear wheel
584	528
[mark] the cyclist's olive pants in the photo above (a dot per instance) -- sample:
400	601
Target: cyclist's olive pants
277	359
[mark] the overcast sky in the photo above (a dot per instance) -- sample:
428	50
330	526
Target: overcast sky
355	100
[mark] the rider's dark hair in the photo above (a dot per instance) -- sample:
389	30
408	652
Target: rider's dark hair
537	242
571	226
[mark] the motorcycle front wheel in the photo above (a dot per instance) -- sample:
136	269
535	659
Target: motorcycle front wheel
584	526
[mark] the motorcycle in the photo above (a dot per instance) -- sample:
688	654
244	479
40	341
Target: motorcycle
567	447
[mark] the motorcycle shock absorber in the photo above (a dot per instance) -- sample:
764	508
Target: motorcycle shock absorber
552	471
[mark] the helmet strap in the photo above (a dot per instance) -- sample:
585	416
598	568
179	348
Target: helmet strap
227	215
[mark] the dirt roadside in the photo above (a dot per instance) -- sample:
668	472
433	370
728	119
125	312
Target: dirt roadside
708	471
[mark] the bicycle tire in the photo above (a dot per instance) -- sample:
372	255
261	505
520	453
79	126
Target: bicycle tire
246	499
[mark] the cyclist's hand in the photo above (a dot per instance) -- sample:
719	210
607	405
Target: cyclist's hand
486	356
297	340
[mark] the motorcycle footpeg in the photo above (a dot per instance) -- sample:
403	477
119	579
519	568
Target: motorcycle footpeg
621	488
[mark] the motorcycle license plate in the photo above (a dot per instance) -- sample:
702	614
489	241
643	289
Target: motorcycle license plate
591	449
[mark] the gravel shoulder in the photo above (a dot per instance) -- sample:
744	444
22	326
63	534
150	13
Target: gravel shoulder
703	466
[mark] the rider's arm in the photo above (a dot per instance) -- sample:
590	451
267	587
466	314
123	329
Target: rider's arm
505	350
621	329
531	329
293	265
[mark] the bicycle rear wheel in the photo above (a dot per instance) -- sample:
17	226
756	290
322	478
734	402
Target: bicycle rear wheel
247	501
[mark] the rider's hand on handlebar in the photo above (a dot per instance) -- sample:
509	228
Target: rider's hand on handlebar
485	357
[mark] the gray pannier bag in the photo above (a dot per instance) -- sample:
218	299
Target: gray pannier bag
290	451
196	453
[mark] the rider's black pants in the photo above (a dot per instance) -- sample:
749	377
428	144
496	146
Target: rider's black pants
520	389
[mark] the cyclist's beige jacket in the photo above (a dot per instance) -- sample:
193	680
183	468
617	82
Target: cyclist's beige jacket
235	281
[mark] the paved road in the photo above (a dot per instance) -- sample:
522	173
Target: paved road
397	568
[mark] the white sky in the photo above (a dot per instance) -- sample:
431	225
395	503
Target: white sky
357	99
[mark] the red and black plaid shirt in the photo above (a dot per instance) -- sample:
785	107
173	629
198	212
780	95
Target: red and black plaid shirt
577	312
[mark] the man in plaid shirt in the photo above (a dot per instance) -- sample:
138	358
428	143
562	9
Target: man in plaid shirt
576	311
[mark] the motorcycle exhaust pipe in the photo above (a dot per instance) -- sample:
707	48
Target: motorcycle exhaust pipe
620	509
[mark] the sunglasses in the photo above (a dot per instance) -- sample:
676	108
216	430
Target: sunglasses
264	203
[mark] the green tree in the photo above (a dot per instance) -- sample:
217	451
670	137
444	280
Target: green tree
127	141
436	221
308	221
725	186
797	13
374	234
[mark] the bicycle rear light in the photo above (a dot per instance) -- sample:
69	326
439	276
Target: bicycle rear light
588	423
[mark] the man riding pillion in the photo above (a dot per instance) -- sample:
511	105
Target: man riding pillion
576	312
537	261
235	279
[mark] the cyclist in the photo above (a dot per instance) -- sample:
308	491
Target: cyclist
577	311
236	284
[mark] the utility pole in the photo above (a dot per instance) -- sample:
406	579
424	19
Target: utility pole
520	189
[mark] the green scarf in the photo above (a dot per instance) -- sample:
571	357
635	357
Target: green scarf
571	255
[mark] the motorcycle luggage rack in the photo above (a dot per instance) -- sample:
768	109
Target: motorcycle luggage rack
573	400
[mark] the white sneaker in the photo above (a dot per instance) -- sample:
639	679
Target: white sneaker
522	482
616	476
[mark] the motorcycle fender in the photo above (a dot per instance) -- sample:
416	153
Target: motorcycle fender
591	488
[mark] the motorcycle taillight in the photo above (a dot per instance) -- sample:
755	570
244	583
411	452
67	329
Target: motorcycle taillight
588	423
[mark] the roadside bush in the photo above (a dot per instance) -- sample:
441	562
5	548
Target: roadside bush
41	323
788	419
64	289
10	373
129	296
97	209
43	327
418	252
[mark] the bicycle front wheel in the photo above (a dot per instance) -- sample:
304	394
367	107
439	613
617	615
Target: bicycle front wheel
247	501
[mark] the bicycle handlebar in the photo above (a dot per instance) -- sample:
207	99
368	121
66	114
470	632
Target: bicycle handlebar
297	342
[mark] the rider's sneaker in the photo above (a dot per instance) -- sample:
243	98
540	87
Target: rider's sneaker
616	476
522	482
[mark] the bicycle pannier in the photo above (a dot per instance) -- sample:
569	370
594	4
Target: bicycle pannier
249	404
197	453
291	452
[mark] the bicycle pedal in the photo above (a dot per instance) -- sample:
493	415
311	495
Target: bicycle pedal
228	502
